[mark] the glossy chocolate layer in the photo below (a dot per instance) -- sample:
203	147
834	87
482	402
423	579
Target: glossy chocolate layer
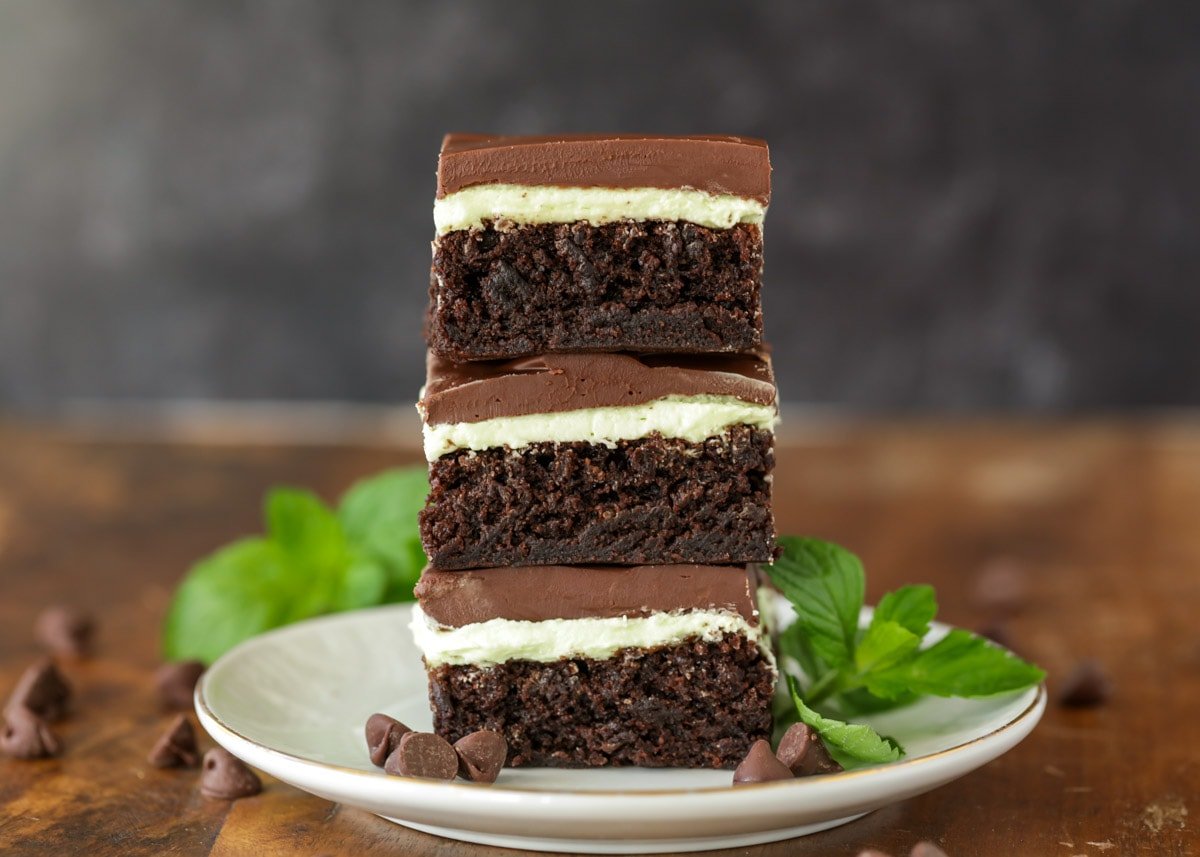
739	166
536	593
552	383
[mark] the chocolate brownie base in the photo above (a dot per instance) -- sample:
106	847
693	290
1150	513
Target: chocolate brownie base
649	501
626	286
692	705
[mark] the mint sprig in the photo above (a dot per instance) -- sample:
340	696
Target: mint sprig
861	671
313	560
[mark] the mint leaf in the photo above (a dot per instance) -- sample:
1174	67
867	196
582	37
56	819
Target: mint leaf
237	592
379	516
794	644
363	585
849	743
960	664
825	584
912	607
885	644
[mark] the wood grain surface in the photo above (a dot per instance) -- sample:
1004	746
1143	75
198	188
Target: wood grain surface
1103	517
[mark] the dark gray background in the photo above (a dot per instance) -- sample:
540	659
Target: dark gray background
978	205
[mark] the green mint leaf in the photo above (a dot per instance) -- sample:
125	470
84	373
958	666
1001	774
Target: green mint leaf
885	644
793	643
825	584
363	585
912	607
379	517
960	664
857	702
305	528
850	743
228	597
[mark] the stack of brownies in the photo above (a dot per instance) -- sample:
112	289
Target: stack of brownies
598	420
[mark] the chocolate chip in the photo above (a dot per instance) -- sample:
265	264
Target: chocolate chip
176	683
1001	587
926	848
804	753
226	777
481	755
176	748
760	766
65	631
423	754
383	737
43	690
26	736
1087	686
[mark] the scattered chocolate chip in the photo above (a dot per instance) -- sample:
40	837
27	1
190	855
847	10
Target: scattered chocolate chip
804	753
176	748
1087	686
925	848
226	777
176	683
65	631
26	736
383	737
423	754
481	755
1001	587
760	766
43	690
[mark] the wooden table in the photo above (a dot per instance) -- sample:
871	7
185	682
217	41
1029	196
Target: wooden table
1104	516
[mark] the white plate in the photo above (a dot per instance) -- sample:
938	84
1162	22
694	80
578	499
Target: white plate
293	703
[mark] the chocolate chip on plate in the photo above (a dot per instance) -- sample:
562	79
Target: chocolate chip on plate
176	748
43	690
1086	686
65	631
925	848
176	683
226	777
481	755
804	753
423	754
26	736
383	737
760	766
1001	587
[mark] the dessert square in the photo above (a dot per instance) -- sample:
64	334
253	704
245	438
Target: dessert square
599	458
597	243
588	666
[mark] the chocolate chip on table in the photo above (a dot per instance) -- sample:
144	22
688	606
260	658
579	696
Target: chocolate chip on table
925	848
176	683
423	754
481	755
65	631
26	736
383	737
1001	587
760	766
1086	686
226	777
176	748
804	753
43	690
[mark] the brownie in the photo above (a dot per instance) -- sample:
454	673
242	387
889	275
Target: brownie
668	287
652	500
694	704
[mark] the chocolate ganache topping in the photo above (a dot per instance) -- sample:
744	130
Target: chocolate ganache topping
536	593
552	383
739	166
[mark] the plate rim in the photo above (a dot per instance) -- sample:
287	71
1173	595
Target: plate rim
207	716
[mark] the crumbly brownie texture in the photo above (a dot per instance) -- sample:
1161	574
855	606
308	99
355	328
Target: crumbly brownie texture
666	287
654	500
696	704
